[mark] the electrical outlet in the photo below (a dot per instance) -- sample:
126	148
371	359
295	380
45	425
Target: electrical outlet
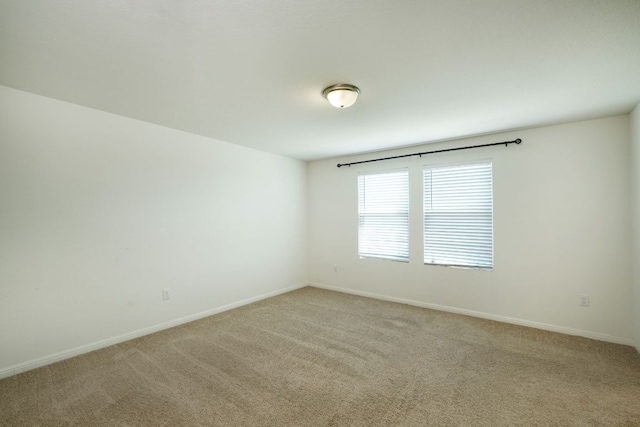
335	268
165	294
584	300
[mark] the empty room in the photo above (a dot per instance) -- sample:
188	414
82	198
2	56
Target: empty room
319	213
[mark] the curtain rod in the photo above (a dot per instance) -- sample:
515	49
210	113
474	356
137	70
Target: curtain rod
506	143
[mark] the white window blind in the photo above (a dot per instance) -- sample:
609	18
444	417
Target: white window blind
458	215
383	210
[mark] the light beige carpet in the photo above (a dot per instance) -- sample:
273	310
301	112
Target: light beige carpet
319	358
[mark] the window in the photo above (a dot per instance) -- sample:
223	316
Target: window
383	211
458	215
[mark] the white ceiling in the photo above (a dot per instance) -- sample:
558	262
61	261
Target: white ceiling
251	72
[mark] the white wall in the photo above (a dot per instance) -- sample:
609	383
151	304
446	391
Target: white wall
99	213
635	168
561	228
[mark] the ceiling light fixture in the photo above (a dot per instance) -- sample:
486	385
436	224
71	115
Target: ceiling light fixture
341	95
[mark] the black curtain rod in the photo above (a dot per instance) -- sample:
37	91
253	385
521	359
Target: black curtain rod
515	141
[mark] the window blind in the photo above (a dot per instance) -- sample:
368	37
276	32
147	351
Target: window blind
458	215
383	211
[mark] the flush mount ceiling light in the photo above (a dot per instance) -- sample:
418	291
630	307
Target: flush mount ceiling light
341	95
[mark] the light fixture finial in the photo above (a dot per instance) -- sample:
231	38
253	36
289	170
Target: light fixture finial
341	95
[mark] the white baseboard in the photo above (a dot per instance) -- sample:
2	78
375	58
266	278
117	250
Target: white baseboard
66	354
514	321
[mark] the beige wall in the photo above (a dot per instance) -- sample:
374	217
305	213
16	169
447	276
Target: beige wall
635	161
99	213
561	228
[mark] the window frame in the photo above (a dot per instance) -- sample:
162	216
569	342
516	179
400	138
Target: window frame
404	214
491	241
